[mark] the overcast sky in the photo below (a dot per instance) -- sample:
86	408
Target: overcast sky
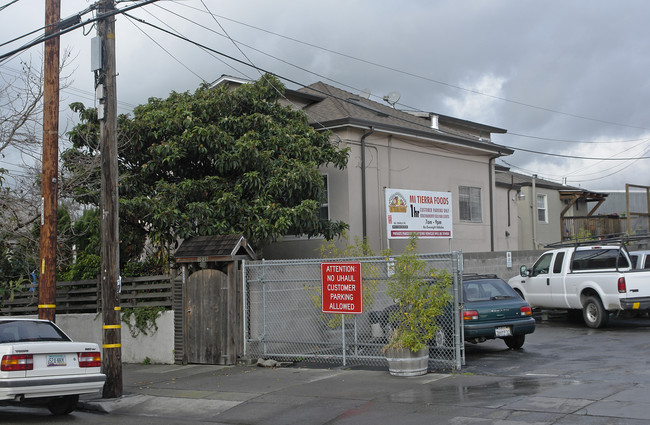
568	78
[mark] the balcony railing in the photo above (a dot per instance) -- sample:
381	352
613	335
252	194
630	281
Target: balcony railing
587	227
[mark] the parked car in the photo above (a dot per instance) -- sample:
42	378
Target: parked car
492	309
640	259
41	365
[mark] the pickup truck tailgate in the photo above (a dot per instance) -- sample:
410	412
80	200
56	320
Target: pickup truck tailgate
637	294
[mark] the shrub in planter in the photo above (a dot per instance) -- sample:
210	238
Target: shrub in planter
421	295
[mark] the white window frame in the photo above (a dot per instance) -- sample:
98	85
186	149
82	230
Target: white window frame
541	207
470	198
325	203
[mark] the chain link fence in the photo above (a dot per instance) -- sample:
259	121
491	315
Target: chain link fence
283	318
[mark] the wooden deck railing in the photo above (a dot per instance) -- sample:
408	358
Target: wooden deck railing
601	225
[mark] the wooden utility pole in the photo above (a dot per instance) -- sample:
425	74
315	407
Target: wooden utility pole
110	253
50	161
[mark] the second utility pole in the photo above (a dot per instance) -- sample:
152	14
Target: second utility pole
110	247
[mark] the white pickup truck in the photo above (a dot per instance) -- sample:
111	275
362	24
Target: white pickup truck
597	279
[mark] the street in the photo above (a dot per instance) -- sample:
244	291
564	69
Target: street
566	373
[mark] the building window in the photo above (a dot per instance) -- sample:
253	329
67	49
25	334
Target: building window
542	207
325	204
469	199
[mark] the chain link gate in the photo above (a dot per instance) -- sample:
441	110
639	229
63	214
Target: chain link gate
283	318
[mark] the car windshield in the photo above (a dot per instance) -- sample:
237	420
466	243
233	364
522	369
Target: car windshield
27	331
487	290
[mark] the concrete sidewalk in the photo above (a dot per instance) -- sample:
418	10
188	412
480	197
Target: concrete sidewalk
291	395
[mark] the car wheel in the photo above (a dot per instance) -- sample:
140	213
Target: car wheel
594	313
63	405
515	342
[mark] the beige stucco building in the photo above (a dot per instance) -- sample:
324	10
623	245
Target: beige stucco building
395	149
548	212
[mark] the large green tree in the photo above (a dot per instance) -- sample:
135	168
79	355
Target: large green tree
216	161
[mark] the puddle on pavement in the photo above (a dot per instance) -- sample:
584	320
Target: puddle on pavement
492	392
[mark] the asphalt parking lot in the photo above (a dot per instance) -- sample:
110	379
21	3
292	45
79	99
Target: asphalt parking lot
561	348
565	374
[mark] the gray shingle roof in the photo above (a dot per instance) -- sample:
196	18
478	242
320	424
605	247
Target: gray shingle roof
339	107
213	248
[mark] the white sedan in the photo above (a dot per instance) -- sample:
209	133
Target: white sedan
40	364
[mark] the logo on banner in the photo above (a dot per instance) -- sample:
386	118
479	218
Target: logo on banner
397	203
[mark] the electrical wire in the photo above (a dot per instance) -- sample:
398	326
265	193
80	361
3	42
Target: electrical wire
411	74
44	38
368	62
550	139
179	33
559	155
164	49
644	151
348	101
71	90
8	4
339	83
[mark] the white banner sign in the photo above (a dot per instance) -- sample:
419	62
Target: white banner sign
416	211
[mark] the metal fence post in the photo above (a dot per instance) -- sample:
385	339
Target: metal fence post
343	333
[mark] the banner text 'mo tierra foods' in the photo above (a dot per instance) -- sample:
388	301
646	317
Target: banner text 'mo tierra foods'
417	211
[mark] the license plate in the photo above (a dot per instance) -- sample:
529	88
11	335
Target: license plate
56	360
502	331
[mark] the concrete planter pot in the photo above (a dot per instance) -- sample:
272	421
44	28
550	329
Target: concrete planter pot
404	362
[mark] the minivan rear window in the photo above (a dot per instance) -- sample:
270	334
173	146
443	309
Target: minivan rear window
596	259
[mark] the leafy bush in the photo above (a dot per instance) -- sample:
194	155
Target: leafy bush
422	294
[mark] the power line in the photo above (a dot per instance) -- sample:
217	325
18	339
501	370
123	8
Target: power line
338	82
644	151
164	49
411	74
347	101
558	155
68	89
74	27
179	33
550	139
8	4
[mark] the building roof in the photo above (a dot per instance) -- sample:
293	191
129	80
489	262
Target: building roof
330	107
341	108
506	178
214	248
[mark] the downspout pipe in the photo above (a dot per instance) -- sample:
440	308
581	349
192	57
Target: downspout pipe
491	183
533	208
512	186
364	221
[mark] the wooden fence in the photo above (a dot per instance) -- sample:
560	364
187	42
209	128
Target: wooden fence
599	225
84	296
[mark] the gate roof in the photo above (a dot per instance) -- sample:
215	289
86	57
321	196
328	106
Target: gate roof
214	248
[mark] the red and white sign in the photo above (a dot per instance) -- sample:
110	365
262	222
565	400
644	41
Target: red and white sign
341	289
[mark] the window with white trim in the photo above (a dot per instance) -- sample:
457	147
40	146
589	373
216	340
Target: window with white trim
325	204
542	208
469	203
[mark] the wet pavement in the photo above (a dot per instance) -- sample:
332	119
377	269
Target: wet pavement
566	374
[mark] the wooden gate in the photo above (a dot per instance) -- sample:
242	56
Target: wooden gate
205	316
208	299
